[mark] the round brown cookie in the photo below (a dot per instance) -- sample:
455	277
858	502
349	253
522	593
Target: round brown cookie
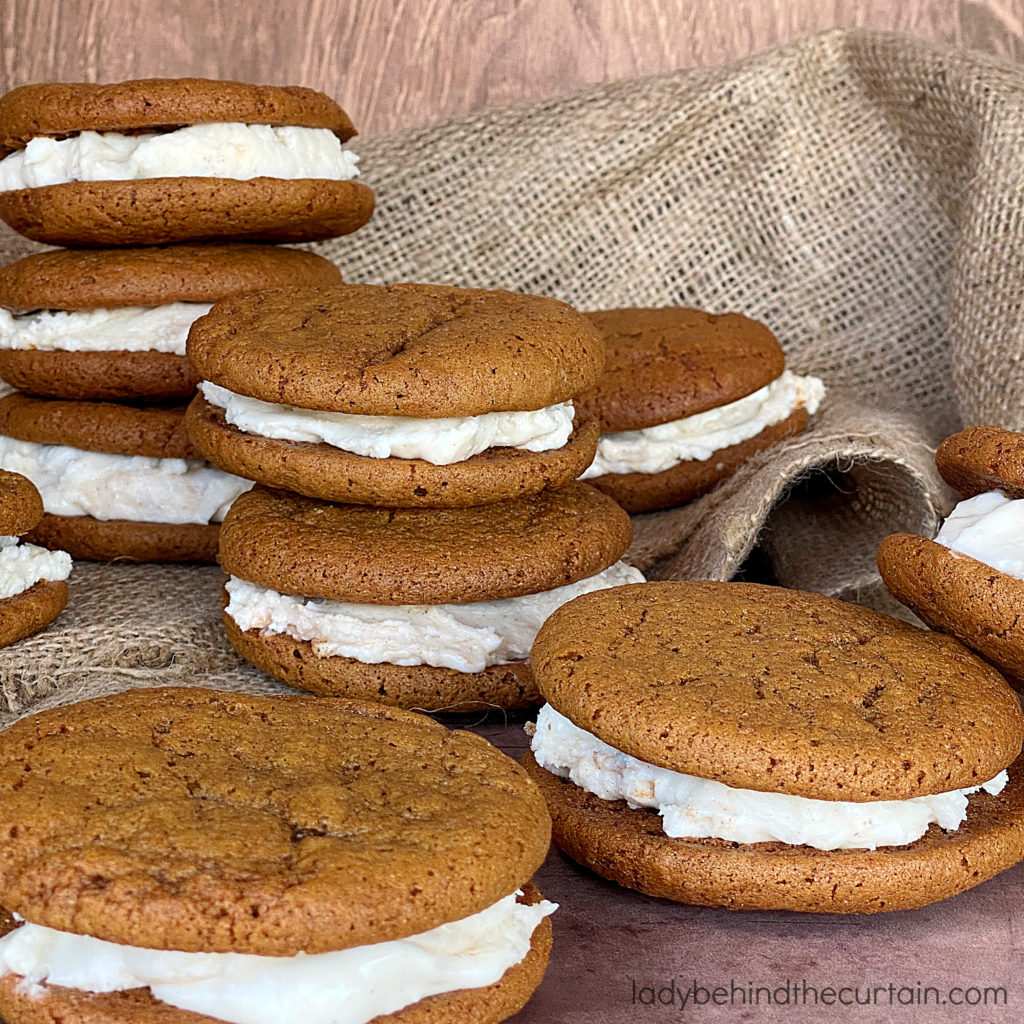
983	459
156	431
467	1006
109	540
27	613
414	556
777	690
955	593
189	819
669	363
648	492
60	109
414	350
20	505
322	471
160	211
629	847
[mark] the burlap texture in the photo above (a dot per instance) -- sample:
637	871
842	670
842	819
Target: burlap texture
859	192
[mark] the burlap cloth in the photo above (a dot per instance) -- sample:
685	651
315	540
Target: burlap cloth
859	192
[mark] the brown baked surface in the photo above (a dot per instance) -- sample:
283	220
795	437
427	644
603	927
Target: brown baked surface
321	471
27	613
114	278
157	431
629	847
137	1006
422	556
60	109
399	350
419	687
183	818
648	492
21	507
777	690
108	540
158	211
668	363
956	594
983	459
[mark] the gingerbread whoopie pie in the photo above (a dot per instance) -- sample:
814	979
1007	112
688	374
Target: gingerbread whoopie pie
969	580
184	856
177	159
112	323
433	609
405	395
118	481
686	397
33	591
745	746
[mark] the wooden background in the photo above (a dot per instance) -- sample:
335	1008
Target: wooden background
394	63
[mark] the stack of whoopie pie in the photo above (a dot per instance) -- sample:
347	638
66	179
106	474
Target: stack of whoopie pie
416	518
96	335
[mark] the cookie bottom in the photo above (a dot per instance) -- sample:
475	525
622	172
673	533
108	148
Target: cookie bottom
321	471
629	847
489	1005
649	492
420	687
108	376
107	540
28	612
956	594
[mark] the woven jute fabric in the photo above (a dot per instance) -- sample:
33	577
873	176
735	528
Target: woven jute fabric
861	193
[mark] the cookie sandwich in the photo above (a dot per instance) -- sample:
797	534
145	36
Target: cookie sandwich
751	747
686	397
117	480
400	396
183	856
112	323
33	591
177	159
969	580
434	609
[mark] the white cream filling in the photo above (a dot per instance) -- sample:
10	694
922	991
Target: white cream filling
990	528
697	438
74	482
464	637
441	441
131	329
22	566
349	986
697	808
218	150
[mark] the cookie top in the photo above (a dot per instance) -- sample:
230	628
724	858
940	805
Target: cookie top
669	363
422	556
189	819
398	350
21	508
157	431
777	690
110	278
983	459
59	109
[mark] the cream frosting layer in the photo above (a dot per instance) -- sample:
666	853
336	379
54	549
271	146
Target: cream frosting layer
217	150
131	329
990	528
22	566
464	637
440	441
350	986
74	482
697	438
697	808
